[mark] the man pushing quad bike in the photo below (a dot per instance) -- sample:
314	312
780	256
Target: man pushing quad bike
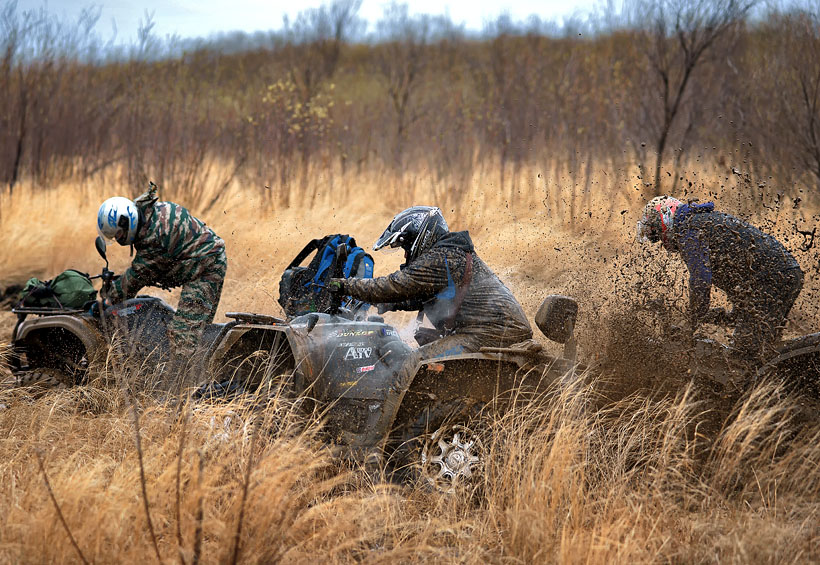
62	329
761	279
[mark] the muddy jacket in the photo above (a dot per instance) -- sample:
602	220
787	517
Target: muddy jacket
173	248
725	251
434	281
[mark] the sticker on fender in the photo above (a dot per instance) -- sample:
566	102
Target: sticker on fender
128	310
358	353
365	369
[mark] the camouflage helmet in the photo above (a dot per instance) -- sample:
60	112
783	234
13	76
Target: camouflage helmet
657	219
415	230
118	218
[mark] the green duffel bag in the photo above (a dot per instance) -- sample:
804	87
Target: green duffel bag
69	289
73	289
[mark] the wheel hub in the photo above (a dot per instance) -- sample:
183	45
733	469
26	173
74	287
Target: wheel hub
456	459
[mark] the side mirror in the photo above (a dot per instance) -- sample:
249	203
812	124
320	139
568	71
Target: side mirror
556	317
99	243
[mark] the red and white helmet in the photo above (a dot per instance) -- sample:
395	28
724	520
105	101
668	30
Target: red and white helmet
657	219
118	219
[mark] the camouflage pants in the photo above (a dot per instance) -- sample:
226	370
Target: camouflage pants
197	307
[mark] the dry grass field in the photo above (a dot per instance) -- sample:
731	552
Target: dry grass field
646	474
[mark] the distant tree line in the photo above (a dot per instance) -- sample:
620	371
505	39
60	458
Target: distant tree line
664	85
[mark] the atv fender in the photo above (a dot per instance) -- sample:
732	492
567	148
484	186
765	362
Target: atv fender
360	370
360	405
223	351
232	335
480	376
804	345
84	330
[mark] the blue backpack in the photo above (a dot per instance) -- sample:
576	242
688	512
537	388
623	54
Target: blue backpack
304	289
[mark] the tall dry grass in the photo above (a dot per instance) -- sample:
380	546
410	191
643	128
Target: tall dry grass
576	478
561	484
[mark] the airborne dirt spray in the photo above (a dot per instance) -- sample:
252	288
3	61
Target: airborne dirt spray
635	308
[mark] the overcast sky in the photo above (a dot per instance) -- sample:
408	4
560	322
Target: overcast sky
201	18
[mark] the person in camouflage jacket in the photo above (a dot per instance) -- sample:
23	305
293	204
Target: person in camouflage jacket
445	279
173	248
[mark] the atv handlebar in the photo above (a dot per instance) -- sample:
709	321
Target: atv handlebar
107	276
336	298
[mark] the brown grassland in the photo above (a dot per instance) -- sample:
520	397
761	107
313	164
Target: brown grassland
545	146
648	473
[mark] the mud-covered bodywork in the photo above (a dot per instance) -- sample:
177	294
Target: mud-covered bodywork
144	320
367	381
70	340
357	370
797	364
57	339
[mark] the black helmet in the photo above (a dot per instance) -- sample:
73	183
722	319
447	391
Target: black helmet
415	230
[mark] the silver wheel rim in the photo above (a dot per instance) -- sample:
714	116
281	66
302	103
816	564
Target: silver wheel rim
452	455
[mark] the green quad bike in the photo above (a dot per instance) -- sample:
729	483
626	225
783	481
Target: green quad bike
54	347
376	395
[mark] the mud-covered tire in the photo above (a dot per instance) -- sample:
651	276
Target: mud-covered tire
410	458
43	378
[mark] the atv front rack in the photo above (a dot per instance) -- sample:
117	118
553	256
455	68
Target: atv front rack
250	318
26	310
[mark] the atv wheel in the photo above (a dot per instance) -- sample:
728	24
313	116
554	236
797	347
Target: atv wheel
798	368
452	455
43	378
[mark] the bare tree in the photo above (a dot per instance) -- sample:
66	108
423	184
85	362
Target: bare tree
792	123
400	62
14	102
312	51
680	35
319	34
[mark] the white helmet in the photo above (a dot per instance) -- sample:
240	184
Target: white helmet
118	219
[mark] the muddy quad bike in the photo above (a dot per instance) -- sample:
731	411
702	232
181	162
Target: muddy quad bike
794	362
374	390
55	346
